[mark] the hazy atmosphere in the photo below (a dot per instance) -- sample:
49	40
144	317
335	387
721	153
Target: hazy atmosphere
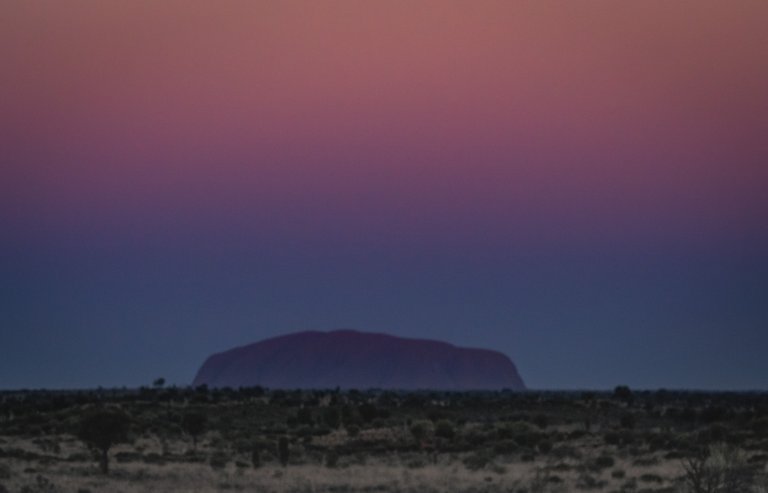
582	186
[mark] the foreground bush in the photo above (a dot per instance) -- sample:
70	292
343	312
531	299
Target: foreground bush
720	469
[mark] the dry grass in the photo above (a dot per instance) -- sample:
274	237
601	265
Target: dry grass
495	442
414	472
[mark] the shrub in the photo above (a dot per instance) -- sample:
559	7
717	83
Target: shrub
544	446
367	412
564	451
622	393
154	458
477	460
720	469
331	459
303	416
622	438
218	460
713	434
587	482
506	447
304	432
601	462
541	480
530	440
194	423
576	434
416	463
444	429
513	430
283	451
420	430
255	456
353	430
646	461
627	421
332	417
760	426
651	478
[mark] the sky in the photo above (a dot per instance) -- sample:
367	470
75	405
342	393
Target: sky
581	185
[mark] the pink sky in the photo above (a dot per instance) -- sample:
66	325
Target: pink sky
582	184
593	120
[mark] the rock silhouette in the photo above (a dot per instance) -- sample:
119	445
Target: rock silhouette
352	359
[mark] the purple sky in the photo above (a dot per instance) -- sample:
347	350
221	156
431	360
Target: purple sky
580	185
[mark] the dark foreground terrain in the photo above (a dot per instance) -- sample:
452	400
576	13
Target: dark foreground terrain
174	439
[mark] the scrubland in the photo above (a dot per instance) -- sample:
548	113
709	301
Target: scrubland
174	439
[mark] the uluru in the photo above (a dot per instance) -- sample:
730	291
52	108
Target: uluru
351	359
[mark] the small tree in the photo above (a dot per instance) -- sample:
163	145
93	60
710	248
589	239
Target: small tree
720	469
331	458
332	417
158	383
368	412
282	450
255	456
623	393
627	421
444	429
194	424
353	430
420	431
101	429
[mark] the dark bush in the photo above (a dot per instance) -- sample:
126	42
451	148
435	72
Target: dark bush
154	458
256	456
478	460
651	478
587	482
218	460
353	430
332	417
420	430
368	412
444	429
331	458
194	423
627	421
601	462
283	451
544	446
622	393
506	447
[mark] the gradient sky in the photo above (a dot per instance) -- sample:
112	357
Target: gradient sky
582	185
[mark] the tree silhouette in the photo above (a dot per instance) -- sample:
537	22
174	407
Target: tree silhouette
194	423
283	451
103	428
623	393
